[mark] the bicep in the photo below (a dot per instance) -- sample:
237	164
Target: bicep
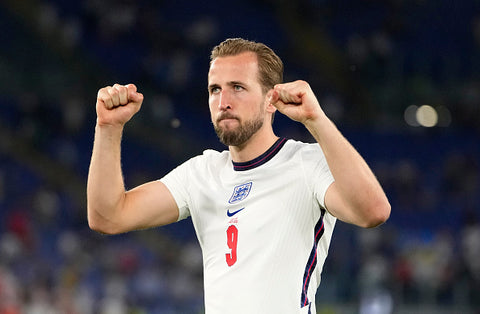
149	205
367	210
336	205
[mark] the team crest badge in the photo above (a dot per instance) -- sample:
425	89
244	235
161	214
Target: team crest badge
240	192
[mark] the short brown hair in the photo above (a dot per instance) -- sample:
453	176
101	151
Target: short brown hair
270	66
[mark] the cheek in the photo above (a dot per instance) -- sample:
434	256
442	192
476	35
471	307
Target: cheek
213	110
211	104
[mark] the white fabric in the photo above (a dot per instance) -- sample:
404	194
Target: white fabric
280	203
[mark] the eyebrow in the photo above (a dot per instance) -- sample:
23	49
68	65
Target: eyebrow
210	86
230	83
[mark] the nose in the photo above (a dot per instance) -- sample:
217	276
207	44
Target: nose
224	102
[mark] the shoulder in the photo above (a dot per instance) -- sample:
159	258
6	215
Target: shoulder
199	166
211	153
307	156
209	158
294	147
298	155
213	156
299	145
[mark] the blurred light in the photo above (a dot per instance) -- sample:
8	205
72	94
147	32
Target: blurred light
410	115
175	123
427	116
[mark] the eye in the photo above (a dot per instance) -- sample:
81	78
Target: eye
214	90
237	88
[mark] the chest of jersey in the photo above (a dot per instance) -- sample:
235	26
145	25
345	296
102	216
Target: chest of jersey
241	218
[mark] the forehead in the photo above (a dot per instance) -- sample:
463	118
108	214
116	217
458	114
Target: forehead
243	66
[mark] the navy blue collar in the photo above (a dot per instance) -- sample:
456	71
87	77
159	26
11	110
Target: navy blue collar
263	158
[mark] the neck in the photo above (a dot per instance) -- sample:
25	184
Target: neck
254	147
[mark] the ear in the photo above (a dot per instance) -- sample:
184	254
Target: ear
268	106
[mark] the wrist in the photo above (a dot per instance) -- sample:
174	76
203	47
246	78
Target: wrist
316	120
320	127
111	129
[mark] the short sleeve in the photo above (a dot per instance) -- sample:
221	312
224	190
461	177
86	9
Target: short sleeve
177	183
317	171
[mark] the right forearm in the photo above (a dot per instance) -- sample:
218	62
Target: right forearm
105	186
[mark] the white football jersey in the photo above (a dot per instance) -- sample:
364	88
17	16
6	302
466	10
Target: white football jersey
262	226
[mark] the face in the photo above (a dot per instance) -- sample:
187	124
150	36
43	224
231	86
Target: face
236	99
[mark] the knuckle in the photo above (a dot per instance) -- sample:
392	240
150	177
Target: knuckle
113	92
103	93
302	82
103	90
119	88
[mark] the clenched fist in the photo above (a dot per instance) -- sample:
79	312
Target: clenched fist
296	100
117	104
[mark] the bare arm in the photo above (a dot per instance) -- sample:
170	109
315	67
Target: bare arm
110	208
356	196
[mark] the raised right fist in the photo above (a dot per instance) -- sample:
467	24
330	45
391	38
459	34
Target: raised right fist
117	104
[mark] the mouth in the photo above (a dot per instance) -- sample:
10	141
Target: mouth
227	123
226	117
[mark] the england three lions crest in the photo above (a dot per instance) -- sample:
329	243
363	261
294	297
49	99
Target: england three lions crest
240	192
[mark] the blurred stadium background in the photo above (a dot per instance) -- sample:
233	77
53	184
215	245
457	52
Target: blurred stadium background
401	78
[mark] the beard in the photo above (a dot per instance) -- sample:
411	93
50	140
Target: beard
240	134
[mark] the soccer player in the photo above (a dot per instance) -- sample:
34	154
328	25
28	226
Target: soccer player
264	210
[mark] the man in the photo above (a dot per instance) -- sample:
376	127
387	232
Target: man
263	211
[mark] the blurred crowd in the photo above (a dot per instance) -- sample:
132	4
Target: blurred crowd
366	60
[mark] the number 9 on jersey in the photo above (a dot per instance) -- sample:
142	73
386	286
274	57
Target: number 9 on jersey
232	239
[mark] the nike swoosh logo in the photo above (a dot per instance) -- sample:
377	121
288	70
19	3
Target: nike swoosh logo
230	214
